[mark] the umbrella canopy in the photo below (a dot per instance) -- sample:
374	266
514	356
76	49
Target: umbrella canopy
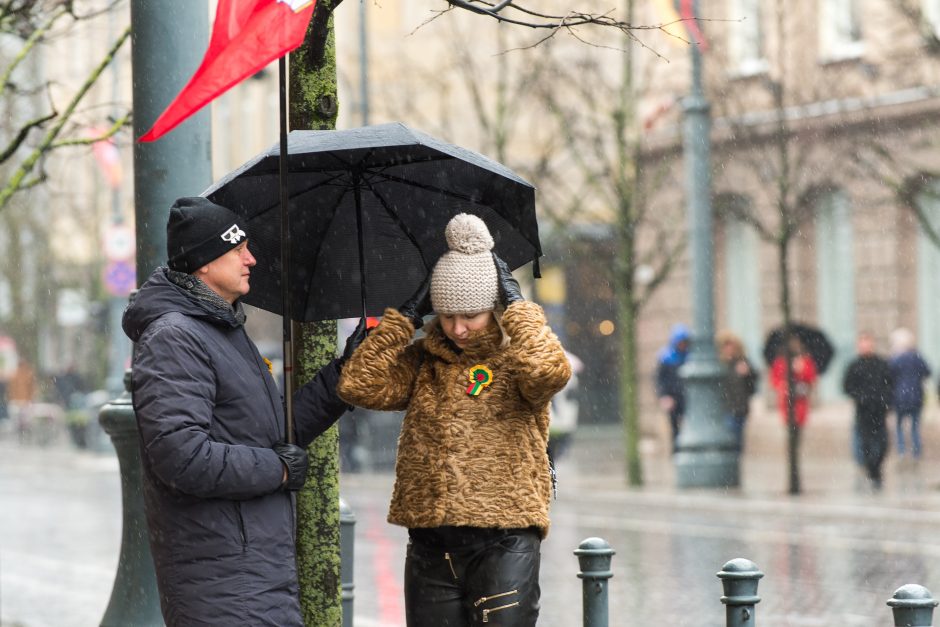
368	207
814	341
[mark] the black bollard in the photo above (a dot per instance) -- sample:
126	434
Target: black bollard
739	579
912	606
134	597
347	537
594	557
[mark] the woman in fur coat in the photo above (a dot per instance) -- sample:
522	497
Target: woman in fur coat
472	478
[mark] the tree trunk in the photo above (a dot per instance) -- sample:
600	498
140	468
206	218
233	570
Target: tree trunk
627	303
793	430
313	105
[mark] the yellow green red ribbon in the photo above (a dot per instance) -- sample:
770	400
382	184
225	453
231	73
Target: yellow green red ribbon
480	377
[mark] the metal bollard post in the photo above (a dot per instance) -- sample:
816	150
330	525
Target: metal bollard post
347	523
739	579
134	596
912	606
594	556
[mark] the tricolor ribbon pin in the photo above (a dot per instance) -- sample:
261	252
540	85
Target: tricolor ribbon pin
480	377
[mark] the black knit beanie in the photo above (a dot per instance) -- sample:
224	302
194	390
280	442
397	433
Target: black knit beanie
199	231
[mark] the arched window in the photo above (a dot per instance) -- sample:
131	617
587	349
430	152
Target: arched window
835	285
742	277
928	276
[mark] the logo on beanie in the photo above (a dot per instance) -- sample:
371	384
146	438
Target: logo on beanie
233	235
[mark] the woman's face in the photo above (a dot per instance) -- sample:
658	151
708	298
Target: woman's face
457	327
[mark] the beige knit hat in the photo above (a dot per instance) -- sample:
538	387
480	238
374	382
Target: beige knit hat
464	279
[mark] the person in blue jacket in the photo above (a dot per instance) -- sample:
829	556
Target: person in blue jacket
669	387
909	370
218	474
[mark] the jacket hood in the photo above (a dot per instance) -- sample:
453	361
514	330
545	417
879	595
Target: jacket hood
160	296
671	354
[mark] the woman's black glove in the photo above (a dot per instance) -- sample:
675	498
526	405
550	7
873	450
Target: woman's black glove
354	340
509	290
294	459
419	305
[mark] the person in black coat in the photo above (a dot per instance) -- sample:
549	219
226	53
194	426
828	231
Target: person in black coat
867	381
217	472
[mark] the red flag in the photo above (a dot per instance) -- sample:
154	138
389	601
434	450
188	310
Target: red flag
691	23
246	36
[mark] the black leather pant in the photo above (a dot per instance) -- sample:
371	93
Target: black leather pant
493	583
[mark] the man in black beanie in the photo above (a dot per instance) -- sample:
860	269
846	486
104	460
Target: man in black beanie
218	473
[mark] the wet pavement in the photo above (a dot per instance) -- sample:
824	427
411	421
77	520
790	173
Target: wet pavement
832	555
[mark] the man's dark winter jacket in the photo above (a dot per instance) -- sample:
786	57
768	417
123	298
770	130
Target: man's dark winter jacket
208	411
867	381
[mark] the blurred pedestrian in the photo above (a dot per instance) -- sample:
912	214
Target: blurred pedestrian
21	394
739	384
472	478
563	412
670	390
804	381
909	370
867	382
70	388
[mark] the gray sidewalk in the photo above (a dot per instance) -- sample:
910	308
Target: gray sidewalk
828	472
60	526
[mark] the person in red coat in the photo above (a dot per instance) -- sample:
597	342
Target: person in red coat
804	377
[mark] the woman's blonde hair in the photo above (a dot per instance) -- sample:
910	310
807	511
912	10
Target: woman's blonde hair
728	337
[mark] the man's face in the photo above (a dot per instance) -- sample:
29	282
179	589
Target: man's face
227	275
866	345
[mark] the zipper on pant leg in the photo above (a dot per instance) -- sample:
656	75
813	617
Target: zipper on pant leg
487	612
481	600
450	563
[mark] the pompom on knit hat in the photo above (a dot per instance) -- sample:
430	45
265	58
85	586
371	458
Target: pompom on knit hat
198	231
464	279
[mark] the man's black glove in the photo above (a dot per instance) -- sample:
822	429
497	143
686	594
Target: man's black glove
509	290
294	459
354	340
419	305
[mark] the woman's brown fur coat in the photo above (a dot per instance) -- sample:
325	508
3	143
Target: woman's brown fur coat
477	461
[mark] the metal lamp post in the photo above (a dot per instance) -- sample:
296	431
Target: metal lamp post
706	455
168	39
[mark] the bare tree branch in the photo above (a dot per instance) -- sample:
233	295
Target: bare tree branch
18	179
21	135
116	126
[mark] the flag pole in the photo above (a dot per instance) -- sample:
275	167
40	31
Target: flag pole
285	253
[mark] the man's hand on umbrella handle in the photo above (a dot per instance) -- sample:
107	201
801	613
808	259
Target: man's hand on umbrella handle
354	340
419	305
295	462
509	290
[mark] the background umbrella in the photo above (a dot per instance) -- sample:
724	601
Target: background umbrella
814	341
367	210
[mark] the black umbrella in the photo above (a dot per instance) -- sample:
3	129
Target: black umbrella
813	340
367	211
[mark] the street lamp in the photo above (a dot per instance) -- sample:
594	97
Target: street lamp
167	40
706	454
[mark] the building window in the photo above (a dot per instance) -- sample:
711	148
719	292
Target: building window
928	268
835	285
743	279
840	30
746	37
931	11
